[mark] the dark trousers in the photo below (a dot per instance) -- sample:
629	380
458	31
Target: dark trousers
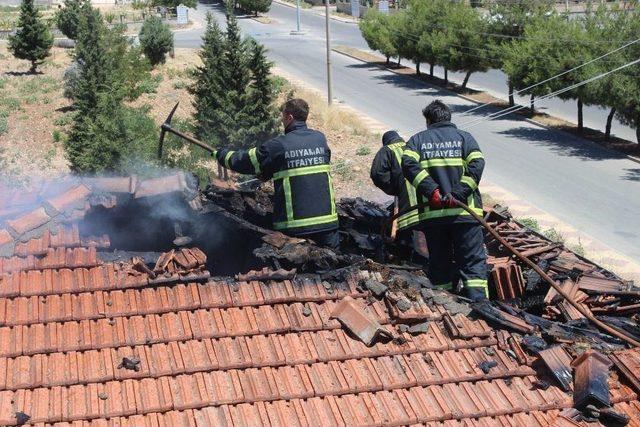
464	244
330	239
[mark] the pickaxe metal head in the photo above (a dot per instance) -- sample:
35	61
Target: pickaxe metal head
166	127
163	129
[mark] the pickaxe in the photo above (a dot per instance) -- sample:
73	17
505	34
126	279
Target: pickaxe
166	127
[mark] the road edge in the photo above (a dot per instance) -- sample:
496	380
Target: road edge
533	122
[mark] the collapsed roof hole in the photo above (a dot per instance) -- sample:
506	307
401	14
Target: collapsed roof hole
148	227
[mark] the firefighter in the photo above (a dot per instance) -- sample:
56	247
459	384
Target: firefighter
386	174
444	163
299	164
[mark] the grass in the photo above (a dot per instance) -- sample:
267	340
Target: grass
363	151
553	235
4	124
63	120
530	223
343	169
151	84
180	84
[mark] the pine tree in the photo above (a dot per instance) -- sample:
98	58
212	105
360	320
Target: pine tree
263	114
209	88
105	133
33	40
91	56
156	40
68	18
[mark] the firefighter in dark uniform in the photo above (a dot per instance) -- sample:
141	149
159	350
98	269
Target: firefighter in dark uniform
299	164
444	163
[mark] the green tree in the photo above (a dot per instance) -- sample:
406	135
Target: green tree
263	115
428	16
626	89
105	133
172	4
538	57
68	18
377	30
233	90
255	6
156	40
458	41
33	40
209	85
505	23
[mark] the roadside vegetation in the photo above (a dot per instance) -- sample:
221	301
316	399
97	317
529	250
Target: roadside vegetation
530	42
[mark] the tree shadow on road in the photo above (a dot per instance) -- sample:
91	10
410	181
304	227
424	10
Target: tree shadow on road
458	107
632	174
562	144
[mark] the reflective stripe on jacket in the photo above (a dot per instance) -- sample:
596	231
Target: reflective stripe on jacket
447	158
386	174
299	163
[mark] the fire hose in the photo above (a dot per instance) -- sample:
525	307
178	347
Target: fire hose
583	310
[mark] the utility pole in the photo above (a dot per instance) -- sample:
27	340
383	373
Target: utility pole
329	91
298	16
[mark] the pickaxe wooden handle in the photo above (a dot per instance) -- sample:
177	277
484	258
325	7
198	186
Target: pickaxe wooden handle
166	127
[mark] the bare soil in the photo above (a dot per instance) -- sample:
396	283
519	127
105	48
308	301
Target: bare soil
38	118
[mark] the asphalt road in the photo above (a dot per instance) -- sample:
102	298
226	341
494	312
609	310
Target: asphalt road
595	190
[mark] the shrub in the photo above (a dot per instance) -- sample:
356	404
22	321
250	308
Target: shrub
530	223
363	151
68	18
156	40
255	6
70	80
33	40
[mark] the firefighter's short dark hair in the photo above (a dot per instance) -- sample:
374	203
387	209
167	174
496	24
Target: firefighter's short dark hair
298	108
437	112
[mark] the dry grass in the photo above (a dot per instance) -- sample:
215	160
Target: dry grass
37	120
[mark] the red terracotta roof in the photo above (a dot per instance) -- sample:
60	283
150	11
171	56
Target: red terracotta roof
93	343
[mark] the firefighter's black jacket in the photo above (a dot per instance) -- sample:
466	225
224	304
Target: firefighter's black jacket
447	158
299	163
386	174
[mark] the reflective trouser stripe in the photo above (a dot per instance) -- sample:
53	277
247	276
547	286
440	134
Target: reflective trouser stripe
408	219
469	181
445	286
316	220
419	178
477	283
227	158
254	160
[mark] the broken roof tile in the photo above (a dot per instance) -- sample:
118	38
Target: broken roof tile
72	198
29	221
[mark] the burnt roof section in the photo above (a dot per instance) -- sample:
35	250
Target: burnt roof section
125	343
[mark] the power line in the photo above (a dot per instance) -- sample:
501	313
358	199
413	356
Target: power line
517	92
550	95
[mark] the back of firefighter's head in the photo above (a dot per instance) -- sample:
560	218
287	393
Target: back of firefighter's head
391	136
294	110
436	112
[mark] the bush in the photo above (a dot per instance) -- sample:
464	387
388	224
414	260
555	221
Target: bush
68	18
156	40
363	151
70	80
530	223
255	6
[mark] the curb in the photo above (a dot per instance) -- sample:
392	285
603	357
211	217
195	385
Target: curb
533	122
333	17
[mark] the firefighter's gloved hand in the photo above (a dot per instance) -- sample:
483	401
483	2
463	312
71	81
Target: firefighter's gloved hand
435	201
448	201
